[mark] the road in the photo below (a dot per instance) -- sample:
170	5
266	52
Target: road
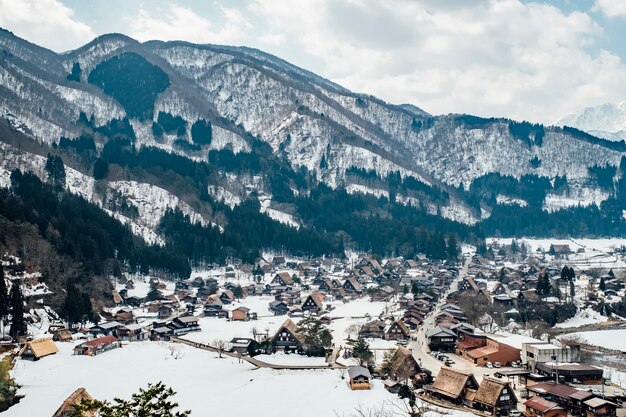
419	346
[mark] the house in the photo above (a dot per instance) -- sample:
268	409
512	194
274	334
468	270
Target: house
133	332
598	407
528	297
37	349
108	328
165	311
279	260
62	335
404	367
392	385
495	397
579	373
397	331
359	378
282	278
410	264
534	353
352	286
240	314
567	397
67	407
313	303
453	385
279	308
97	346
240	345
373	329
540	407
287	337
441	339
227	297
213	306
184	325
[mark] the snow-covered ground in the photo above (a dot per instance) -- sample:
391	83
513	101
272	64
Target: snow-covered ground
609	339
202	381
595	253
280	358
582	318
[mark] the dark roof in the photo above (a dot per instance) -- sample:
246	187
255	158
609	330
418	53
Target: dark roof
101	341
355	371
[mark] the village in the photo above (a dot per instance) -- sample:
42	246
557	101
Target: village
474	336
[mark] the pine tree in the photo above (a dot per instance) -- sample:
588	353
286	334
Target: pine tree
572	290
71	310
361	351
55	170
238	292
153	401
602	284
4	296
18	325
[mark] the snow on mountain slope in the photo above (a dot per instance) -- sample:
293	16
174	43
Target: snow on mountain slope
150	201
576	196
606	120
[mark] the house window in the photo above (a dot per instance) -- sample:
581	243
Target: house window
505	397
530	354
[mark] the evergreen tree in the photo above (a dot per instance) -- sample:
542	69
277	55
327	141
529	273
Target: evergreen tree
611	273
18	324
4	296
75	74
153	295
361	351
514	246
153	401
238	292
453	248
602	284
72	307
572	290
100	169
55	170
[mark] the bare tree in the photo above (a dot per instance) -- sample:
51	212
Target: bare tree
220	345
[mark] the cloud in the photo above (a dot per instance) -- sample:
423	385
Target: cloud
182	23
611	8
490	57
45	22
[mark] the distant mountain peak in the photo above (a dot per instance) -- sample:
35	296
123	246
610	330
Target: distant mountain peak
607	120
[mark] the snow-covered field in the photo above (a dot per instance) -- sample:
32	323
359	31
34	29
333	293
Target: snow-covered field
595	253
582	318
203	382
609	339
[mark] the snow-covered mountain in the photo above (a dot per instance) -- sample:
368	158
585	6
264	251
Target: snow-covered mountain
606	120
318	127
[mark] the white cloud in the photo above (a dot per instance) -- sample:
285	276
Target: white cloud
611	8
45	22
491	57
182	23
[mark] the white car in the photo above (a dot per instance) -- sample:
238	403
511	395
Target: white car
489	365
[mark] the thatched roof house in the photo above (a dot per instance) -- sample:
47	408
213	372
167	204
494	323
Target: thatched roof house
494	396
37	349
452	385
67	408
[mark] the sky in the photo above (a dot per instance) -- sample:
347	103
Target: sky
526	60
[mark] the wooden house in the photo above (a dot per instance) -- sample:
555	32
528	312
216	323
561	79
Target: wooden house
97	346
279	307
227	297
494	396
373	329
359	378
441	339
287	337
404	367
37	349
240	314
314	303
352	286
397	331
62	335
598	407
540	407
67	408
453	385
283	278
108	328
184	324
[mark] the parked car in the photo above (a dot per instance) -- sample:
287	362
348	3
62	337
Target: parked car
443	358
489	365
515	365
496	364
449	362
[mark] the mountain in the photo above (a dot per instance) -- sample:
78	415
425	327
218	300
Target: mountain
216	151
606	121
